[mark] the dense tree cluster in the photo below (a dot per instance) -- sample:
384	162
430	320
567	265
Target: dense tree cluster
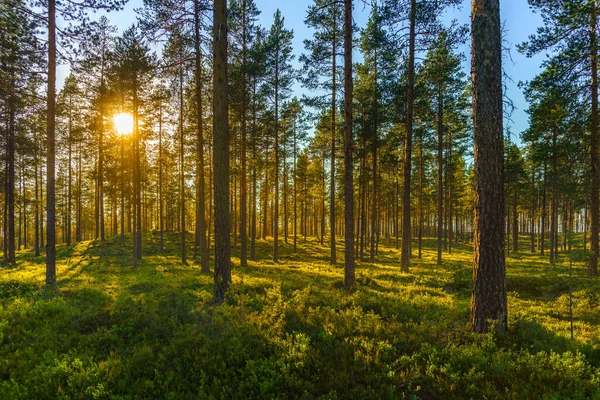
187	121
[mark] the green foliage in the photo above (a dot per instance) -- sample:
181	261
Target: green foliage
288	329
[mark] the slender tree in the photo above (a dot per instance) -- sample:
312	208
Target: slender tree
349	267
280	76
321	72
406	219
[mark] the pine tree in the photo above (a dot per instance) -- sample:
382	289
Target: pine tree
571	30
445	83
243	15
279	78
134	67
349	266
489	301
321	72
221	151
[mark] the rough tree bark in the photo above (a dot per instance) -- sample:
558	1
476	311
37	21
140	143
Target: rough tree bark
51	285
243	184
489	299
595	184
406	230
222	276
200	236
349	267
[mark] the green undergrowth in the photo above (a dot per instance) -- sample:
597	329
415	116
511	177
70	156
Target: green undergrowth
289	330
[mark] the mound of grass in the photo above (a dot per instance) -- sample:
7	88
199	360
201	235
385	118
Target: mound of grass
288	329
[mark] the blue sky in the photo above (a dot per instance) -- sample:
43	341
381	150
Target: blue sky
519	22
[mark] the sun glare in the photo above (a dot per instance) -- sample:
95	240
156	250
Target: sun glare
123	123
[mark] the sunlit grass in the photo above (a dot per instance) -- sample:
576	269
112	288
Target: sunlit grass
288	329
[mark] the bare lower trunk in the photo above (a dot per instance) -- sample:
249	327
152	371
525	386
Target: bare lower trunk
349	278
51	285
595	181
406	229
200	236
489	300
222	276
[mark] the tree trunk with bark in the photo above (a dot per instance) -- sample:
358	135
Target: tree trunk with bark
595	181
406	229
489	299
349	266
51	285
222	276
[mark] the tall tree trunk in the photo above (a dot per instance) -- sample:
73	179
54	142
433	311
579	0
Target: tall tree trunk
421	178
349	266
322	239
254	177
70	173
265	192
406	230
122	183
160	186
363	202
10	190
78	217
450	180
533	200
137	202
554	206
200	236
276	148
332	258
37	197
489	301
544	214
595	184
101	172
51	285
243	184
515	219
295	223
182	167
222	275
374	197
440	132
585	224
285	190
397	207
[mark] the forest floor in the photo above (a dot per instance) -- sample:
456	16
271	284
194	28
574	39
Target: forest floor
289	330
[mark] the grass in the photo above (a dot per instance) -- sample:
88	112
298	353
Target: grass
289	330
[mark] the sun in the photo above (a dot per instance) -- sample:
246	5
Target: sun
123	123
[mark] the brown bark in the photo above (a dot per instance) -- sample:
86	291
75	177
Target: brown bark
489	299
181	168
10	189
595	181
51	285
200	236
349	266
276	181
533	201
440	132
406	230
332	257
243	184
160	186
222	276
